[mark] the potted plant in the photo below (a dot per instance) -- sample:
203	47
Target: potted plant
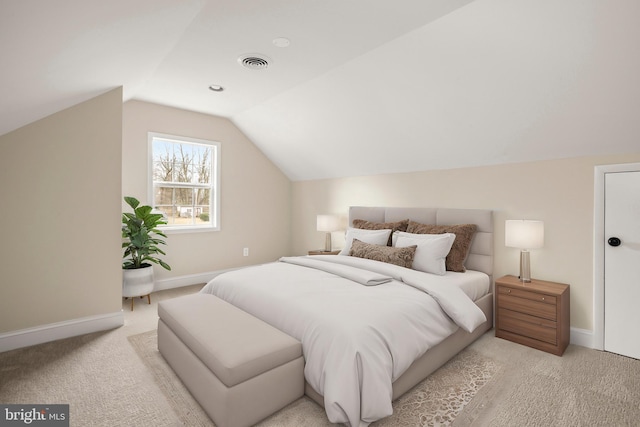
141	240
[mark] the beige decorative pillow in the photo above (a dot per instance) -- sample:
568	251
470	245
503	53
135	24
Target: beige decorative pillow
369	225
398	256
461	245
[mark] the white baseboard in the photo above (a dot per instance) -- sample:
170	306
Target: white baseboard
56	331
582	337
188	280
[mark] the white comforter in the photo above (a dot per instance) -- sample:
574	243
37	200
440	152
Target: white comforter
361	323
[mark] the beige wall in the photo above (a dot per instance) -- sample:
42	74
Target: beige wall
255	195
60	218
559	192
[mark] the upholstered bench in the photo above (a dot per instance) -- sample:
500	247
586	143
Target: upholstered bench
239	368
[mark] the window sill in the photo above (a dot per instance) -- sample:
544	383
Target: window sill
184	230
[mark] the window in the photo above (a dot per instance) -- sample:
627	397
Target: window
184	176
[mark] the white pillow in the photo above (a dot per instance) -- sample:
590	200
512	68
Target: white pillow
374	237
431	252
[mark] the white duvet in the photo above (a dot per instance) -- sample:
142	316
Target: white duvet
361	323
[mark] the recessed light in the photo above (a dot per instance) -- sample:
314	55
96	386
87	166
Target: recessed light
281	42
216	88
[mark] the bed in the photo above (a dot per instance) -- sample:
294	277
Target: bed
365	346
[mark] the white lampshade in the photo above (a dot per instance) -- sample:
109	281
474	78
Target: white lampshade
328	223
524	234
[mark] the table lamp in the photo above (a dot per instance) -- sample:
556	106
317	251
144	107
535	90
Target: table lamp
328	223
524	235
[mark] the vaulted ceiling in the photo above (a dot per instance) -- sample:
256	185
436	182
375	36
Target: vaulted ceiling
363	87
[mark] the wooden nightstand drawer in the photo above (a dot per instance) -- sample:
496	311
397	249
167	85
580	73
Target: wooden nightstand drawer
530	326
528	306
533	296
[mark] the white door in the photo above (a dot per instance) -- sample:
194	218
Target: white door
622	263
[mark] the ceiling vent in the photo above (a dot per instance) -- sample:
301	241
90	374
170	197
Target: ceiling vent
254	61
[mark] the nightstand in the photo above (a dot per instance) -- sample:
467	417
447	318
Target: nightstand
323	252
535	314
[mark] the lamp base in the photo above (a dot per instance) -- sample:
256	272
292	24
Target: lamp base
525	267
327	243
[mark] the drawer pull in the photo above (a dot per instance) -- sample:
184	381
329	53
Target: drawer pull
509	291
542	298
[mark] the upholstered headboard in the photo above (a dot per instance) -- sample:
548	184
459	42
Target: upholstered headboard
481	253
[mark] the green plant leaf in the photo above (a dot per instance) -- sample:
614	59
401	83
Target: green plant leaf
132	201
143	211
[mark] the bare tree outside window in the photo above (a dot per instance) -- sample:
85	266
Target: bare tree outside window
184	175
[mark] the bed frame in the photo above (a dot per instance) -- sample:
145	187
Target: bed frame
480	258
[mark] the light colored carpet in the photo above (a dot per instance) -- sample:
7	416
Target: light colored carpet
435	401
100	378
584	387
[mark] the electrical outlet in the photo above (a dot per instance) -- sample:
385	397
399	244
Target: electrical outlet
245	252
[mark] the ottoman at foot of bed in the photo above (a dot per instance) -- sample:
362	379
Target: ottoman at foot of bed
239	368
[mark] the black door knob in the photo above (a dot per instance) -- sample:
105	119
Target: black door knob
614	241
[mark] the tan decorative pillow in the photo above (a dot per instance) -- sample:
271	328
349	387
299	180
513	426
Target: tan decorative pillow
398	256
369	225
461	245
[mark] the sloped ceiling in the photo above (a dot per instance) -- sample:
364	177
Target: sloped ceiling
365	86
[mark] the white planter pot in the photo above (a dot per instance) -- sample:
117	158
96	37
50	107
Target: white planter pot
137	282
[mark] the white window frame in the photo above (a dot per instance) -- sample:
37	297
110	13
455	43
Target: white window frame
214	187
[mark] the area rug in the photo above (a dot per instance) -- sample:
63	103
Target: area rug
436	401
